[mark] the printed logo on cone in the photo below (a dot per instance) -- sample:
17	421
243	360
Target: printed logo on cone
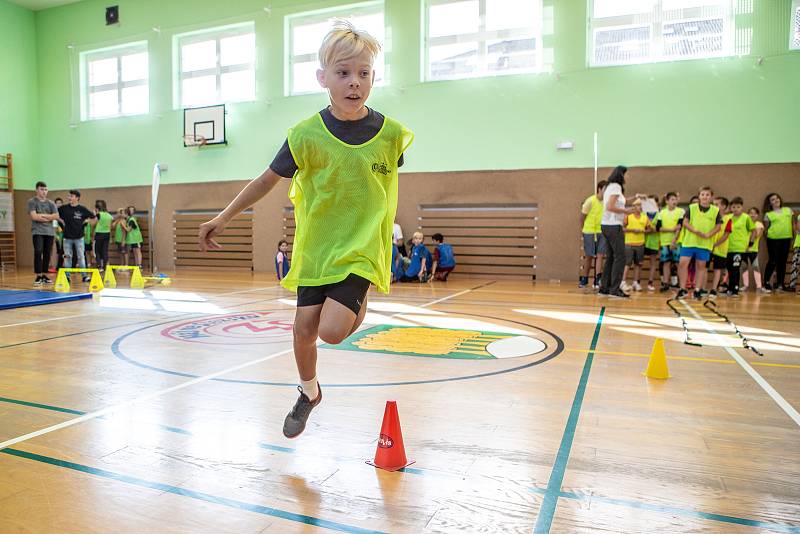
385	442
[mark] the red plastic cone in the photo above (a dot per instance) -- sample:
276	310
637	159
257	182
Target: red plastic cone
390	453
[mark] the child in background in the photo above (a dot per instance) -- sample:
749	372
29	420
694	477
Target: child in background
635	225
397	263
118	224
668	223
741	226
133	236
594	244
88	228
719	255
796	257
282	264
701	222
102	233
443	259
651	239
418	268
751	257
59	229
692	271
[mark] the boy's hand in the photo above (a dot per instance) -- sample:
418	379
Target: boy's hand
208	231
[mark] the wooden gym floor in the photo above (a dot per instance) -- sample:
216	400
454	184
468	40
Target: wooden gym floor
161	411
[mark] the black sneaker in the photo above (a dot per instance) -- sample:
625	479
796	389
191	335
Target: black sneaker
619	294
583	281
295	421
664	288
767	286
711	295
681	294
38	282
733	294
602	292
699	294
46	281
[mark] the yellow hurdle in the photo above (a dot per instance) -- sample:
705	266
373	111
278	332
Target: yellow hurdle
62	281
137	281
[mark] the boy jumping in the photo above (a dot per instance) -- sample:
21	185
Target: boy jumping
343	162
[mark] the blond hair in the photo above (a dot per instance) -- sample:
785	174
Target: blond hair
418	235
346	41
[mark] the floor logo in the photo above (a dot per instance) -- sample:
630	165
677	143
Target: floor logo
232	329
441	343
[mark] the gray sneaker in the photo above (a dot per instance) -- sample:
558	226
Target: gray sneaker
295	421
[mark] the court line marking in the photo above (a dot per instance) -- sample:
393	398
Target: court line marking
155	394
185	492
548	508
686	358
674	510
779	400
51	319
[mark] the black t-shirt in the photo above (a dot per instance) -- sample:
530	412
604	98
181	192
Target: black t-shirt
73	218
351	132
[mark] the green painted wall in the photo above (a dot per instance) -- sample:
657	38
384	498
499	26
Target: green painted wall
19	121
729	110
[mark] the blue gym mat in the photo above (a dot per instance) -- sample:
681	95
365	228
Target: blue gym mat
20	299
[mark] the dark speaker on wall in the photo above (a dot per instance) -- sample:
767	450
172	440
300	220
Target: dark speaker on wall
112	15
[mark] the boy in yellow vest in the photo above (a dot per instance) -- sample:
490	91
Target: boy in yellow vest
741	229
668	224
594	244
701	223
719	254
635	226
343	162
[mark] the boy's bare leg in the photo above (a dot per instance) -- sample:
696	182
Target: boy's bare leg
683	271
305	331
700	275
337	321
715	280
637	273
665	272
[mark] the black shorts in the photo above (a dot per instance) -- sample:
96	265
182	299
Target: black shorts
718	262
132	246
349	292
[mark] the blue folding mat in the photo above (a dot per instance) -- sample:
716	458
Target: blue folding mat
21	298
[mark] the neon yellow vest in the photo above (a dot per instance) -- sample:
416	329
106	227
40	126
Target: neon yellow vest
669	219
591	225
740	234
134	235
345	199
702	222
103	223
635	222
780	224
722	250
754	248
118	237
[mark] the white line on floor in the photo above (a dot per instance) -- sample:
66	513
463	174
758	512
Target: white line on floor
779	400
155	394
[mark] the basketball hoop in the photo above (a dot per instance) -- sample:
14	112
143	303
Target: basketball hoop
192	140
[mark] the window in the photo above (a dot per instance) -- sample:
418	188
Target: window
305	32
472	38
216	66
114	82
794	30
626	32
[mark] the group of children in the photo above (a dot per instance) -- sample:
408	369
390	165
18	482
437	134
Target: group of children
711	230
418	266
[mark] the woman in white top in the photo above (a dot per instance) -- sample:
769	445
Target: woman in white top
614	212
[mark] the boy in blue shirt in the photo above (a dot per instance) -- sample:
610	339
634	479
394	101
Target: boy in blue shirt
444	261
417	270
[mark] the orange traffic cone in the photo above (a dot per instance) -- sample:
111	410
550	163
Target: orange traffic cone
390	453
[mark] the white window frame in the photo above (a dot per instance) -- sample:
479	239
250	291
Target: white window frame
481	37
216	34
317	16
106	53
656	20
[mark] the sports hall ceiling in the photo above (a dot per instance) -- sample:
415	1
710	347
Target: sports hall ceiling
37	5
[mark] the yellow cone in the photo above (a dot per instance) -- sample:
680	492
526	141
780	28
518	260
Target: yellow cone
657	366
96	283
110	279
137	282
62	284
